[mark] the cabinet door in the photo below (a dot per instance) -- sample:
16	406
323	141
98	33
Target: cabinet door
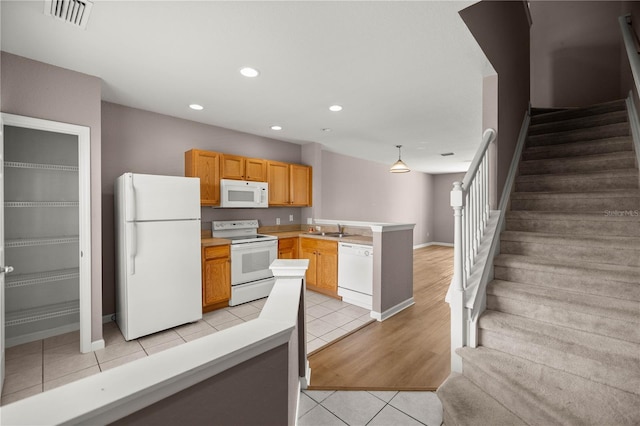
217	281
300	185
278	178
288	248
327	268
255	169
308	251
206	166
232	167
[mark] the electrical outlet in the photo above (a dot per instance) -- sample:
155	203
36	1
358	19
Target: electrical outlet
290	218
309	221
277	221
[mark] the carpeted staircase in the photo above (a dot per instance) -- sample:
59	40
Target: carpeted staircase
559	343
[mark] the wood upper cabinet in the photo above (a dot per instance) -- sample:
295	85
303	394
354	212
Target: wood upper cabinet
278	179
288	248
206	166
216	277
243	168
300	185
289	184
322	274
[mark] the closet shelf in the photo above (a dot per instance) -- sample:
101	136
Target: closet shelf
26	242
21	280
57	167
36	204
42	313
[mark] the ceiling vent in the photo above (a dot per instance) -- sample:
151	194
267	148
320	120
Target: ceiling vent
74	12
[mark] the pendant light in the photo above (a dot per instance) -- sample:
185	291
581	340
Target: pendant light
399	166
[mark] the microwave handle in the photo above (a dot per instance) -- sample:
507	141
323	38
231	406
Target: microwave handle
263	195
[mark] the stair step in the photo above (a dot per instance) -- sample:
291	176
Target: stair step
572	223
542	395
619	282
597	314
587	163
612	202
599	358
569	136
609	250
570	113
597	146
579	123
570	182
465	404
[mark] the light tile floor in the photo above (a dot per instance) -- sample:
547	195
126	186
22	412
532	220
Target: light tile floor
38	366
329	408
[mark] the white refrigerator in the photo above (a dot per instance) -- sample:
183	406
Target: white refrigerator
158	272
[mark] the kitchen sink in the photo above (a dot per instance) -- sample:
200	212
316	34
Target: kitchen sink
331	234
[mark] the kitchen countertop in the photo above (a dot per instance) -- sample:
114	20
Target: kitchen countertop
210	242
353	239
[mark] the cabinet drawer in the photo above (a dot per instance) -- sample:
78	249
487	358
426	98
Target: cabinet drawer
216	251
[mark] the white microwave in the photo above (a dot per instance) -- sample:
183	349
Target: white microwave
243	194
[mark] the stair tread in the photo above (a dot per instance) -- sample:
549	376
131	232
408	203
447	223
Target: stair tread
560	114
560	215
628	274
612	193
544	395
470	405
616	173
569	123
613	351
583	158
579	240
581	144
600	305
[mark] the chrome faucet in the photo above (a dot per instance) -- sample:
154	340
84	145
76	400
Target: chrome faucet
340	228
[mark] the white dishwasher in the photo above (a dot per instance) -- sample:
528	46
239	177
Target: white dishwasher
355	274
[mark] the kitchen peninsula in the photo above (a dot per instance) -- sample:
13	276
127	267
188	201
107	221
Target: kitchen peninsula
392	245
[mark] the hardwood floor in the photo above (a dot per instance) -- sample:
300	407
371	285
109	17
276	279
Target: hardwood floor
409	351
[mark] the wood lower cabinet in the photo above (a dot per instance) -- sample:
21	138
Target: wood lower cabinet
206	166
322	274
216	277
288	248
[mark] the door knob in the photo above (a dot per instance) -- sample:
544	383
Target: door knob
6	269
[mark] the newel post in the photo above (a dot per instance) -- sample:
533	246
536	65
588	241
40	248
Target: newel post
457	289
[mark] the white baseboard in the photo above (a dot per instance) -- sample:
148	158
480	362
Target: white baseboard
108	318
97	345
432	243
393	310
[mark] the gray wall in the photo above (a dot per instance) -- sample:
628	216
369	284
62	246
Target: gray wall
361	190
501	28
39	90
145	142
442	211
576	49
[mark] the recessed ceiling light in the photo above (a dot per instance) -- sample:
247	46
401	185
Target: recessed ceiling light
249	72
335	108
196	107
276	127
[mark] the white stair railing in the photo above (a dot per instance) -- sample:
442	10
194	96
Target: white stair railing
470	203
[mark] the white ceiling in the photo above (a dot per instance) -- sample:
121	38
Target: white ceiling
407	73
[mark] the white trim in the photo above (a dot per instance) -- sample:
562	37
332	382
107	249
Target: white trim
393	310
432	243
84	188
634	124
97	345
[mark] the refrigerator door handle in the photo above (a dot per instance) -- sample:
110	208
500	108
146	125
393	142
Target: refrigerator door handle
130	213
133	247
